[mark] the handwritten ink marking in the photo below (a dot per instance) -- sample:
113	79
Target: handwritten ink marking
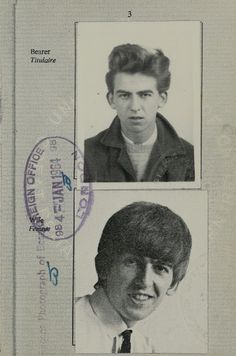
53	274
130	13
66	181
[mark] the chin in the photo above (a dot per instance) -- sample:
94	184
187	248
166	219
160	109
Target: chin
137	129
134	317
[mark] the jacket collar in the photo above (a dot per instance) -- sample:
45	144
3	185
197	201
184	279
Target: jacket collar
168	142
113	136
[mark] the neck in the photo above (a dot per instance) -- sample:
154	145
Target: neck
139	137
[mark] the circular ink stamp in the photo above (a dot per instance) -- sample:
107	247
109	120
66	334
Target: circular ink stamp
57	200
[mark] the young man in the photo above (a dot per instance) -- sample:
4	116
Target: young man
140	144
143	255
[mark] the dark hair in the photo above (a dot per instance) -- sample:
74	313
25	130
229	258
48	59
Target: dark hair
149	230
132	58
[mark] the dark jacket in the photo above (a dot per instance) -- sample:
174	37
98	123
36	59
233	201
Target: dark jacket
106	159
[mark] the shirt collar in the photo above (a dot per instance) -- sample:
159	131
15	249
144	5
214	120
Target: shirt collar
149	141
106	313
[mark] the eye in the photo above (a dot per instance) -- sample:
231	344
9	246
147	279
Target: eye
124	96
145	95
130	261
160	268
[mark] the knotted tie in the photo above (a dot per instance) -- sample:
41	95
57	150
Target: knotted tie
126	345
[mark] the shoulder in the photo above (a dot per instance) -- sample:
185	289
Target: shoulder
84	313
86	326
94	140
83	307
142	343
83	299
188	147
105	137
81	302
172	137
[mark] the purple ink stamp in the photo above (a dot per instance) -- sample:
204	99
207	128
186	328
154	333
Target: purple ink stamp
56	204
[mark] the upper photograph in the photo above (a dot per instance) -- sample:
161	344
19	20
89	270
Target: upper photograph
138	104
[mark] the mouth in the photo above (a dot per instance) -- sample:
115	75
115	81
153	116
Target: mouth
140	298
136	118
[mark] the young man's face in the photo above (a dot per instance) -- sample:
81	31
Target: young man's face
136	100
136	285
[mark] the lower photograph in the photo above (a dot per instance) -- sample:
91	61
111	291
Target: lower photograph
140	267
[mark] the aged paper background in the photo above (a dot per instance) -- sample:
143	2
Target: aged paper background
44	107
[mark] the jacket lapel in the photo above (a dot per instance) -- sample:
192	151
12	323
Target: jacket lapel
167	147
118	153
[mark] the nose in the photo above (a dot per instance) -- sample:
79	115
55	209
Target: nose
135	103
145	276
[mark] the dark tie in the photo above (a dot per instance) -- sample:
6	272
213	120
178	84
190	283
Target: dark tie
126	345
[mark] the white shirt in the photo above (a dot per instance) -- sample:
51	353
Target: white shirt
150	141
98	327
139	153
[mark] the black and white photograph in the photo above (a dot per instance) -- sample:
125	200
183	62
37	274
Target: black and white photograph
141	274
138	96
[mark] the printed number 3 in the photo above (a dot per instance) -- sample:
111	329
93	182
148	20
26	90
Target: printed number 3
129	13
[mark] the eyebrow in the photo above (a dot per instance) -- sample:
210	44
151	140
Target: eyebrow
121	91
159	261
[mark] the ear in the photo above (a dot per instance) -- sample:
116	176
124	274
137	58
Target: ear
172	289
163	97
110	99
